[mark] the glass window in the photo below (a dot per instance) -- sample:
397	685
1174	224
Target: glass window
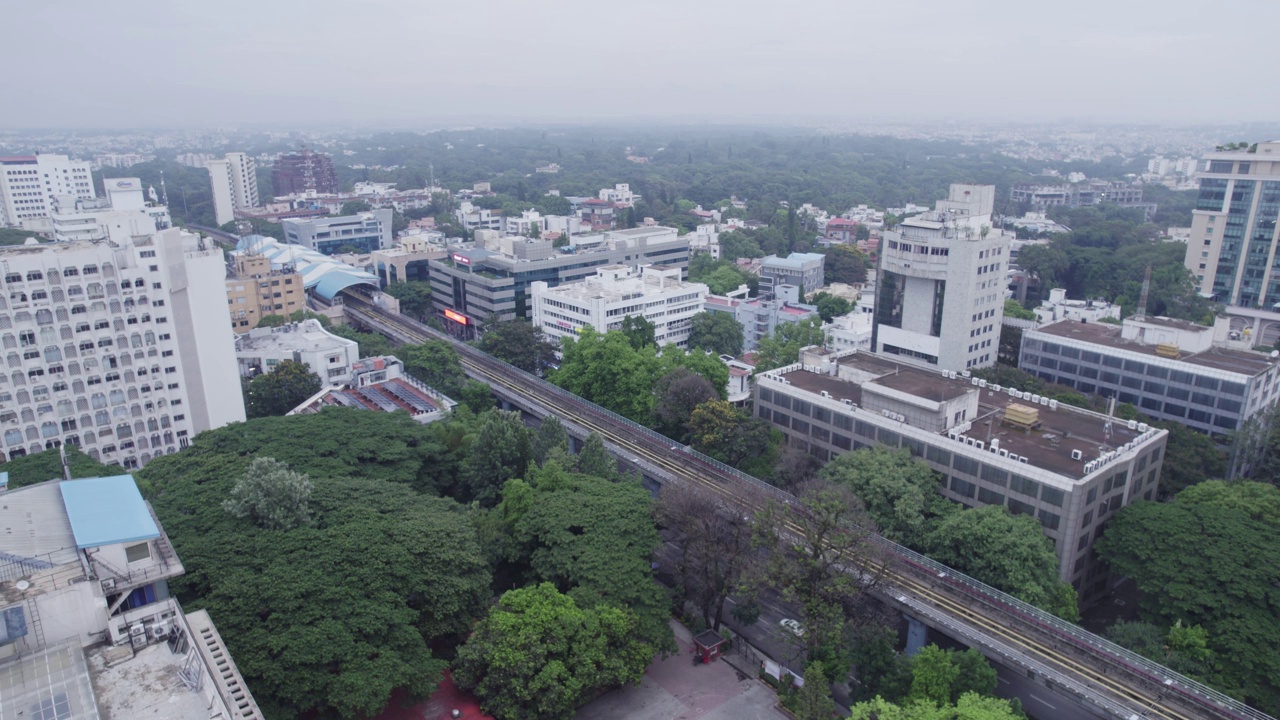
1049	520
1206	382
990	497
1017	507
1052	496
995	475
137	553
938	455
1024	486
888	437
963	487
1112	361
965	465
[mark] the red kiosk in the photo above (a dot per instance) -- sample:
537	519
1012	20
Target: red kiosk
706	646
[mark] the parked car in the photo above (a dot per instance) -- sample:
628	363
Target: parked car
792	626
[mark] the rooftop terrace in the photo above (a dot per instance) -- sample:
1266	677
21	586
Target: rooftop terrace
1236	361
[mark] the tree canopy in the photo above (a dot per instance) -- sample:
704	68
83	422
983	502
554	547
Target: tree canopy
716	332
47	465
281	390
782	346
519	343
414	297
899	492
435	363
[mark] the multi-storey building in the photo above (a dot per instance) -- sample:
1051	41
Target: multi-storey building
328	356
381	384
302	172
598	215
1232	251
366	232
255	290
235	185
941	282
759	317
620	195
87	611
121	349
1094	192
804	270
1170	369
472	284
1058	307
122	215
32	185
410	260
473	218
616	292
1069	468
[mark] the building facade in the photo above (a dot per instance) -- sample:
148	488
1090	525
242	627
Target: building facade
1169	369
119	217
804	270
1069	468
471	284
303	172
256	290
759	317
658	294
940	284
381	384
1232	250
121	350
366	232
330	357
31	186
1058	307
235	185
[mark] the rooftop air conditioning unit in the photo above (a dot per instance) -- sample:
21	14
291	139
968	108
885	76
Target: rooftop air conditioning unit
137	630
1035	398
964	373
996	388
982	383
1003	453
1022	459
826	394
1053	404
1142	427
160	630
846	401
995	445
108	585
1133	424
973	381
979	444
1044	400
946	373
1076	455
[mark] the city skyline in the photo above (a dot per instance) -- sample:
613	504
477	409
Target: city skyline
397	62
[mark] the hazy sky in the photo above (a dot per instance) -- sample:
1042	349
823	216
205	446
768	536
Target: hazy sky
225	62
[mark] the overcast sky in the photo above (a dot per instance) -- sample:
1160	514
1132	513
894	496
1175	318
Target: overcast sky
82	63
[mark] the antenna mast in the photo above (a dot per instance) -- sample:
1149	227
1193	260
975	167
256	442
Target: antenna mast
1141	312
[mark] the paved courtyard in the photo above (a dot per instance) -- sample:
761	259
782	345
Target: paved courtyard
675	689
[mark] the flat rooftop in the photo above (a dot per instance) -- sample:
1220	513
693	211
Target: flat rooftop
106	511
53	683
37	533
388	396
1107	335
303	338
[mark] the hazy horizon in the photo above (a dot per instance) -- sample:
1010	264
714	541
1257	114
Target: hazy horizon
397	63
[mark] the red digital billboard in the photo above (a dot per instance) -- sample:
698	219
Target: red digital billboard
457	317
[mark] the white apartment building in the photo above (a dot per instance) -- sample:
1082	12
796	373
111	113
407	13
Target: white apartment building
87	612
1058	307
616	292
473	218
941	283
122	215
531	223
620	195
328	356
235	185
851	331
121	349
32	185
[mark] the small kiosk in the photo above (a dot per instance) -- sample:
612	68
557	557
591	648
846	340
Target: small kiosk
706	646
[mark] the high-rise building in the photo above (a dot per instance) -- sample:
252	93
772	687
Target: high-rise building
32	185
941	281
1232	251
235	185
302	172
122	349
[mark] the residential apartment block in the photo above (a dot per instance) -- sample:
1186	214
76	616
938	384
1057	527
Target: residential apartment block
1069	468
1232	249
474	283
330	357
31	186
119	217
304	171
803	270
1170	369
256	290
940	284
759	317
87	612
121	349
366	232
235	185
658	294
1092	192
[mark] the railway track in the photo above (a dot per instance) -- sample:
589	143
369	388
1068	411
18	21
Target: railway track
1116	681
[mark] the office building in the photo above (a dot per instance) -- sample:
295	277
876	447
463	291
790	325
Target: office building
759	317
31	186
255	290
474	283
380	384
364	232
90	628
408	261
119	217
1093	192
1232	250
235	185
302	172
617	292
940	284
121	349
1069	468
804	270
330	357
1169	369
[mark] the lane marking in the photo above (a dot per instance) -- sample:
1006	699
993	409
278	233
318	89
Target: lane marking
1037	699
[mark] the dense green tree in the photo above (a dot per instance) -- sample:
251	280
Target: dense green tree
1209	558
271	495
898	491
519	343
1190	457
353	207
550	436
716	332
1009	552
737	244
679	391
435	363
47	465
267	321
639	331
720	276
281	390
728	434
502	450
970	707
881	670
830	306
370	344
932	675
813	701
414	297
1181	648
845	264
1013	309
714	544
403	567
477	396
782	346
596	460
537	655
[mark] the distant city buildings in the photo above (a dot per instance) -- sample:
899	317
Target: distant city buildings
620	195
1058	307
941	283
120	160
1093	192
302	172
235	185
363	232
803	270
1232	247
759	317
657	294
32	186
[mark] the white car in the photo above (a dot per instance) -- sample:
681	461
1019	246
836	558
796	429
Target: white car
792	626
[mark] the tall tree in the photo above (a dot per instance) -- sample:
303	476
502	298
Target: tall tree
596	460
435	363
352	207
502	450
715	543
639	331
899	492
551	436
845	264
679	391
716	332
783	345
727	433
414	297
830	306
521	344
281	390
271	495
814	702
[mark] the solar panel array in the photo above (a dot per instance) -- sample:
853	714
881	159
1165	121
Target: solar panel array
379	398
418	404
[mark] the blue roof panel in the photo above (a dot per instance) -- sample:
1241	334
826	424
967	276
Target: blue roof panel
106	511
334	282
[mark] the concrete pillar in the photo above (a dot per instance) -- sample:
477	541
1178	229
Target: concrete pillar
917	635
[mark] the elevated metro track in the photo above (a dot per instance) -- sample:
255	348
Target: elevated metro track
1105	678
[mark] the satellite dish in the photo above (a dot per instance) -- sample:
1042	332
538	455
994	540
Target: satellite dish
22	585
